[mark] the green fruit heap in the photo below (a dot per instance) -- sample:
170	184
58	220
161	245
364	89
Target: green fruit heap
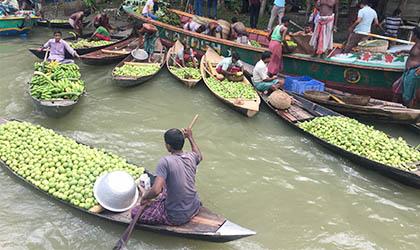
232	90
52	81
84	43
136	70
56	164
58	21
255	44
363	140
186	72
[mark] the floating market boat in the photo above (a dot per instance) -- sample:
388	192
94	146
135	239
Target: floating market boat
111	54
206	225
16	25
364	106
248	108
81	51
57	23
365	74
158	59
304	110
55	108
170	62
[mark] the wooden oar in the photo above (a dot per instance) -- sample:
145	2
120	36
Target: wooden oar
385	37
127	233
193	121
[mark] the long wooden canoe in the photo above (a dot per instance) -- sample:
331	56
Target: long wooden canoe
304	110
130	81
246	107
206	225
57	25
16	25
375	81
170	58
111	54
116	39
375	109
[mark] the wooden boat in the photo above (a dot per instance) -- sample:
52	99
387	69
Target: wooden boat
116	39
365	107
246	107
16	25
304	110
64	24
375	81
111	54
170	57
206	225
55	108
129	81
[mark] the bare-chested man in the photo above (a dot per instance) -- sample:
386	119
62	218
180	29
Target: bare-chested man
411	76
76	20
325	23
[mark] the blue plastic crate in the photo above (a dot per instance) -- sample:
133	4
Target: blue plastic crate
300	84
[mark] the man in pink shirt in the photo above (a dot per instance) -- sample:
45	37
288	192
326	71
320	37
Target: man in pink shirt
58	48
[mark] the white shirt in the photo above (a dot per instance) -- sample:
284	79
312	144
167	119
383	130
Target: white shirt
368	15
226	62
192	26
259	74
148	7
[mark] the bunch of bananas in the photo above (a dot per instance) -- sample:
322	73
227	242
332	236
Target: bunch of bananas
53	81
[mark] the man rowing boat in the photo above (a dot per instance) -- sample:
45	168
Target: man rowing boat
58	48
173	198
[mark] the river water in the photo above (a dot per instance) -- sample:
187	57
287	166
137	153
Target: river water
258	172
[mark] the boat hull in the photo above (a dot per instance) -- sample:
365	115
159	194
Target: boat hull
14	26
55	109
45	23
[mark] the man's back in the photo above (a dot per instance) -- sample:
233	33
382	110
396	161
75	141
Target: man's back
179	171
368	15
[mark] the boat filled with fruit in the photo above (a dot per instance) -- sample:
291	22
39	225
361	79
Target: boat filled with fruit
187	74
81	45
370	148
57	23
240	95
56	88
67	170
132	72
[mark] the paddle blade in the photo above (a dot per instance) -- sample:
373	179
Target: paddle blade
120	245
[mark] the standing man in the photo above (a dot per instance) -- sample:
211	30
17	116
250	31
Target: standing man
212	4
410	80
325	24
76	21
363	23
173	198
58	48
198	7
276	11
254	12
150	36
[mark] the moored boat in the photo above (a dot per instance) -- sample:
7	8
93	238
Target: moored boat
158	60
206	225
359	78
57	23
170	62
247	107
364	106
304	110
16	25
81	51
111	54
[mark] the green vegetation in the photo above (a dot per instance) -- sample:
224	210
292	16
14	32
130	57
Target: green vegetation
231	90
85	43
186	72
136	70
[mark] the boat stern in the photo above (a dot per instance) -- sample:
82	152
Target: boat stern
231	231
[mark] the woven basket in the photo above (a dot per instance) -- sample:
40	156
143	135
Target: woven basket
235	78
375	46
356	99
317	95
288	49
280	100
